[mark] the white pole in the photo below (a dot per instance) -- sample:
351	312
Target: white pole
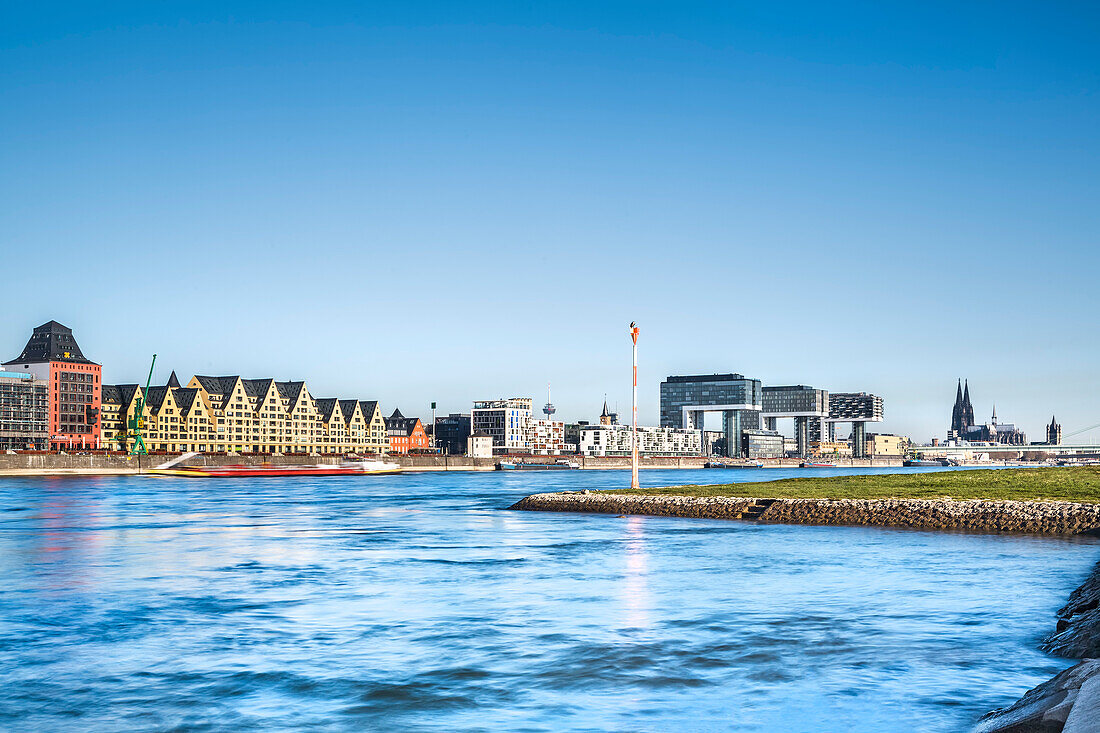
634	413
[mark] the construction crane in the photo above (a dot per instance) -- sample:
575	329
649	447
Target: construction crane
137	422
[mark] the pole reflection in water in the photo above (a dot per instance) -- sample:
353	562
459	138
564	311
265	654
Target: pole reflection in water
635	590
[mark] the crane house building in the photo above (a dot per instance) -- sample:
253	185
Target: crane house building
73	385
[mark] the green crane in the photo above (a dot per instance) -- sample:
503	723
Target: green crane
137	423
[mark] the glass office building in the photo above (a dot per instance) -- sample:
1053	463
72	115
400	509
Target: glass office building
685	399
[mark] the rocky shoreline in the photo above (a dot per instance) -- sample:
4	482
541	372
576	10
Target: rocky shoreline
1070	702
1030	517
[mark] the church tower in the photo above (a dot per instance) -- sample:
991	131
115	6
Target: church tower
1054	432
956	413
607	417
968	409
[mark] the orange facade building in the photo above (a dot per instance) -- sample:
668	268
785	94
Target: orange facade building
405	433
74	385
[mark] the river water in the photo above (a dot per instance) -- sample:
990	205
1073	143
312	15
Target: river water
413	602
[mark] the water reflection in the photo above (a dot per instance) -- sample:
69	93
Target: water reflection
635	591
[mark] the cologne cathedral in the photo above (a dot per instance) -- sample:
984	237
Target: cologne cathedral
963	425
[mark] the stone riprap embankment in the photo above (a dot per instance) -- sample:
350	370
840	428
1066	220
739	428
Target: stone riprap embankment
1078	633
1032	517
1070	702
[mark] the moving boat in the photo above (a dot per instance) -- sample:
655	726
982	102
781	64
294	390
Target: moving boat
720	464
815	464
350	468
559	465
923	463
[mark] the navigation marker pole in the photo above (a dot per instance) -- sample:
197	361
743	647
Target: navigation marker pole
634	411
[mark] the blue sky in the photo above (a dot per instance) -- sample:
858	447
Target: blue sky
425	201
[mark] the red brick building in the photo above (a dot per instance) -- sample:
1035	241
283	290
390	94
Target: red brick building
405	433
74	385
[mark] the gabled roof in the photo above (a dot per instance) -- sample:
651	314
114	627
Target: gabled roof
111	394
127	391
51	342
173	381
290	390
155	398
348	408
185	398
368	407
398	422
217	385
257	387
325	406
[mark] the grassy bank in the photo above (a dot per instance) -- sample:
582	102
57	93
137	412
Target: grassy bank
1019	484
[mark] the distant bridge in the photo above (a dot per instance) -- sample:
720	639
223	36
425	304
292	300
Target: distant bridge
966	451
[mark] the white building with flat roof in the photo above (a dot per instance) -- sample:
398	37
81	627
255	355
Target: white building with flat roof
505	421
614	440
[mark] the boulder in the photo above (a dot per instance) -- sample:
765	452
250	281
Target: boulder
1078	632
1046	708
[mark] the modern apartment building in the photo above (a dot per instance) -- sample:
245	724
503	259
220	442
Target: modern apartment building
615	440
24	412
232	414
506	421
451	433
73	385
545	437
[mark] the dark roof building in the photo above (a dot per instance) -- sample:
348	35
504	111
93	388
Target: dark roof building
51	342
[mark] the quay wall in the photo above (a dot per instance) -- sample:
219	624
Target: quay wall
56	463
1031	517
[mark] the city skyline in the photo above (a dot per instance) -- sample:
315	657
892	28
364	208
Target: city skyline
712	421
423	203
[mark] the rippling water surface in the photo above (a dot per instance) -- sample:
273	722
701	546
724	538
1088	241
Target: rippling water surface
414	603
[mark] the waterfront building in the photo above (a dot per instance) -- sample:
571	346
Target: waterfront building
234	415
1054	432
615	440
831	448
762	444
686	399
505	421
451	433
406	433
74	391
479	445
805	405
885	444
714	443
857	408
24	411
573	432
375	438
544	437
